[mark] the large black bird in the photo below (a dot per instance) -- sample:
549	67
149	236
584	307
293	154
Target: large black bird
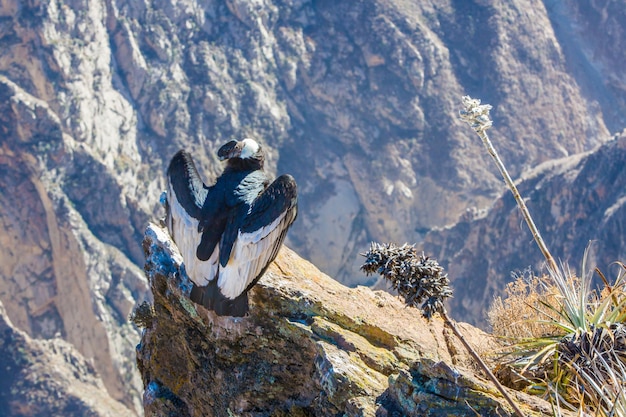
230	232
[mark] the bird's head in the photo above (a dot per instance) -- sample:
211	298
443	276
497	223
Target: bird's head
244	155
244	149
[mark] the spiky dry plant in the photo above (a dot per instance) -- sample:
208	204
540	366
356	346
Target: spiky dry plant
584	362
421	280
417	278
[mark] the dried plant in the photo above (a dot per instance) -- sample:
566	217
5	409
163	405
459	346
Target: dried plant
522	313
421	280
581	362
417	278
477	116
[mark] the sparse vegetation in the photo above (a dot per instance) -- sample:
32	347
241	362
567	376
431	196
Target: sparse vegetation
143	315
421	280
568	341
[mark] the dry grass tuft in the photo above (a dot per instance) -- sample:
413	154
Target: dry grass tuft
568	342
524	312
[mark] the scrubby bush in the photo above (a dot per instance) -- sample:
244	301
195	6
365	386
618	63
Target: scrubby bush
568	342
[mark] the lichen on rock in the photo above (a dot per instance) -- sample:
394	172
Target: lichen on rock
309	346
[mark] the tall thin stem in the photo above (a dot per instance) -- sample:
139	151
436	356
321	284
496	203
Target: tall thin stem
477	116
480	362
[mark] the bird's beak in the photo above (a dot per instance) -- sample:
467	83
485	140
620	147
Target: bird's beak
230	150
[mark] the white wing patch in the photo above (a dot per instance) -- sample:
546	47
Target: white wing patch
251	253
184	230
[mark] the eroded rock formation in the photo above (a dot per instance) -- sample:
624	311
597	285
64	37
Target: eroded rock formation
309	347
49	378
58	278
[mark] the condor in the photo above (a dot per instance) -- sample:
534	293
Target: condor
230	232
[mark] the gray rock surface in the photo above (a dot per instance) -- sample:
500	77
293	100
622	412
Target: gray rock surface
49	378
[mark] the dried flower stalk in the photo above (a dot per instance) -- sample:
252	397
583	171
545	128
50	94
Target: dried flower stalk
477	116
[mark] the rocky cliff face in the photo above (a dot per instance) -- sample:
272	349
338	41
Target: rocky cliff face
576	203
591	35
58	278
309	347
358	100
49	378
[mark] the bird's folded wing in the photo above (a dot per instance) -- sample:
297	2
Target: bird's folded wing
185	185
259	237
185	195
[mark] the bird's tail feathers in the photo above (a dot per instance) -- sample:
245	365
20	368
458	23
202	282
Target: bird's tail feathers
212	298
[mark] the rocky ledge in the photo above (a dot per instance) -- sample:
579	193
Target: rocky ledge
309	347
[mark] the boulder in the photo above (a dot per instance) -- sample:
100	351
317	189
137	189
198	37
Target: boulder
308	347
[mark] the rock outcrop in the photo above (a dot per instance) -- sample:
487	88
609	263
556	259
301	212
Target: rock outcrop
309	347
577	203
358	100
49	378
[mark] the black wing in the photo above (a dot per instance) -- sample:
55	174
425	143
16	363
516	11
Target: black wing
258	237
186	194
186	185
